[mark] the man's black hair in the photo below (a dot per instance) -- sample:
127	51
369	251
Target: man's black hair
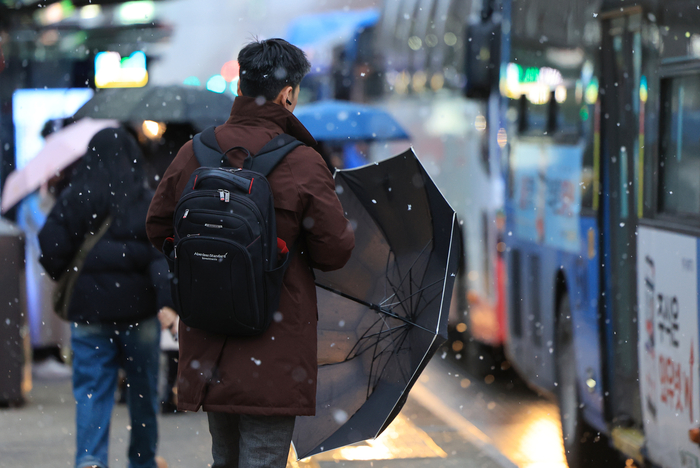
268	66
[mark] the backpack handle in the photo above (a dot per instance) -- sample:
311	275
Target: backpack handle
224	159
209	154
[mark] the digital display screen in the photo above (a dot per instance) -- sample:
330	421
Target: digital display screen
33	108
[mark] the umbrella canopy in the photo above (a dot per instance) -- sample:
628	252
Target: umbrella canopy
383	315
61	149
343	121
170	104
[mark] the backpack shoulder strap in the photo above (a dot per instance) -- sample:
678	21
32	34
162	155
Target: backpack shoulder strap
206	148
271	154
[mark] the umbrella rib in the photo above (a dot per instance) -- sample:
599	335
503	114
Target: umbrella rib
408	274
403	277
371	382
427	303
364	336
372	306
402	300
386	273
368	337
417	292
396	350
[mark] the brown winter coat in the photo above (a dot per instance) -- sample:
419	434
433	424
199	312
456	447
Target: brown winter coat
274	373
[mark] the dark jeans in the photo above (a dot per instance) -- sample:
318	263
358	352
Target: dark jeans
246	441
98	352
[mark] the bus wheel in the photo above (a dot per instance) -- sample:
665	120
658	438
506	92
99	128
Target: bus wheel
584	446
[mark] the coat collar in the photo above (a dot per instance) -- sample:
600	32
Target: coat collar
246	109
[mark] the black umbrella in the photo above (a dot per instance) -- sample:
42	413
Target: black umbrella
170	104
384	314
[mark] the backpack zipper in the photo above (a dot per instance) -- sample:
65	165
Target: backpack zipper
243	220
224	195
241	183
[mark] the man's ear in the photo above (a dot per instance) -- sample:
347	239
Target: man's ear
285	96
238	88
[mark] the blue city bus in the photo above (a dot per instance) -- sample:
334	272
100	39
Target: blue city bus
599	124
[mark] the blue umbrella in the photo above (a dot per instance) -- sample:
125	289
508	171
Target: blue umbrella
342	121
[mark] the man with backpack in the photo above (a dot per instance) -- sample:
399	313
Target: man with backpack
252	386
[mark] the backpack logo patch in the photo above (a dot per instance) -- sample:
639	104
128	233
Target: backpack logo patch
210	256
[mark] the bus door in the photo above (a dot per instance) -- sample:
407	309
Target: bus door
621	57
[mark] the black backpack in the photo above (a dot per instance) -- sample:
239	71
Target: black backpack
226	261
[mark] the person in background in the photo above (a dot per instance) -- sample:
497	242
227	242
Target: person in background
123	284
170	322
49	335
332	155
159	152
355	154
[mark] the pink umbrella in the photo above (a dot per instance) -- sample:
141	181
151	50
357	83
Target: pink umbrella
61	149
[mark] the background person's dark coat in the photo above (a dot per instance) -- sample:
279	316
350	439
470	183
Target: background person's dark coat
124	279
275	373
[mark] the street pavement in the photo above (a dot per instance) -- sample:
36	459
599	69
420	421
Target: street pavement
431	431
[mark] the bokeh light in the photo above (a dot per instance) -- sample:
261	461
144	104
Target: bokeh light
217	84
230	70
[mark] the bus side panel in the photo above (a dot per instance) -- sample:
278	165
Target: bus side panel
547	238
530	312
668	288
530	342
584	286
531	274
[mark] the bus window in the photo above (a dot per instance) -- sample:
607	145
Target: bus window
404	25
453	39
434	39
387	25
417	42
430	44
369	62
533	118
567	119
679	188
587	176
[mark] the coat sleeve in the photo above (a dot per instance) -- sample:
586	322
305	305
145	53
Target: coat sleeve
328	234
159	222
158	271
65	229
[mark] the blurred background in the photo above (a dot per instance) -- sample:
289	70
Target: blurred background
564	135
